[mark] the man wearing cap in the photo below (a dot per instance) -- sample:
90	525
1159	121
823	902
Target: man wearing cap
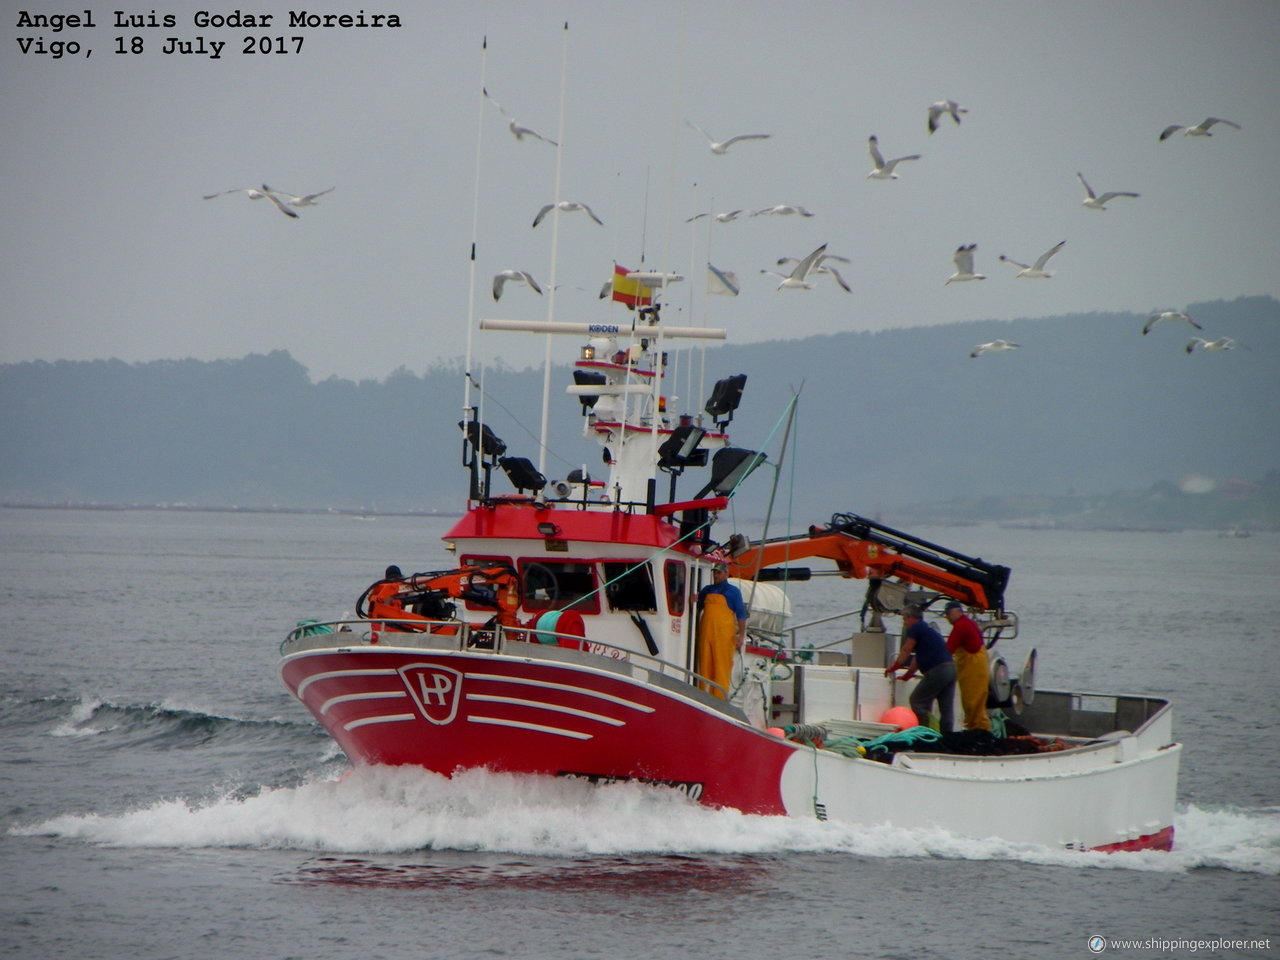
722	630
925	652
970	653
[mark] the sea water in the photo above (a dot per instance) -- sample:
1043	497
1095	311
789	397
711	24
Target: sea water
164	797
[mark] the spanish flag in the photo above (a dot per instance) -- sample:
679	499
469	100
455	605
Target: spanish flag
631	292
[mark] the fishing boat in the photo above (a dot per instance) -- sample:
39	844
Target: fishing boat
564	643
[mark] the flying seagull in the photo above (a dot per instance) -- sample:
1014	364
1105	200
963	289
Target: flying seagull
783	209
567	206
798	278
936	110
1222	343
1094	202
884	169
722	147
255	194
820	267
1167	315
720	217
519	276
1201	129
517	130
995	346
964	265
1036	271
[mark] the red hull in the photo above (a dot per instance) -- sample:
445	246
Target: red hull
450	711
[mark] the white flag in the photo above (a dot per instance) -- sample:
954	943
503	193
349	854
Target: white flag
721	281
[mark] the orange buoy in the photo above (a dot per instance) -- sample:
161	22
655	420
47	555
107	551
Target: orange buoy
900	717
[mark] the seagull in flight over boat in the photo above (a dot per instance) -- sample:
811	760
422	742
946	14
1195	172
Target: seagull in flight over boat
1201	129
1094	202
727	217
517	130
798	278
518	276
295	201
995	346
1036	271
566	206
1167	315
255	194
722	147
820	267
936	110
1212	346
783	209
884	168
964	265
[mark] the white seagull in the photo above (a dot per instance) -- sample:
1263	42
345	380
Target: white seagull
295	201
820	267
1167	315
1222	343
517	130
1036	271
1094	202
963	260
727	217
722	147
936	110
798	278
884	169
518	276
567	206
255	194
783	209
1201	129
995	346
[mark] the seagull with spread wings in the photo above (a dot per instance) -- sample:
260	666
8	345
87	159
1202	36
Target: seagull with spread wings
1201	129
518	130
1093	201
721	147
995	346
883	169
963	260
517	276
1166	315
255	194
936	110
1035	271
566	206
798	279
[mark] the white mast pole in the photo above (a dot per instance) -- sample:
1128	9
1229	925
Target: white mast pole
475	220
555	242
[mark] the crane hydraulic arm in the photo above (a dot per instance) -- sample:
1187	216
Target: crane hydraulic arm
865	549
425	596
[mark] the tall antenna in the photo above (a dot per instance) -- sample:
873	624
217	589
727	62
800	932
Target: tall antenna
555	243
475	221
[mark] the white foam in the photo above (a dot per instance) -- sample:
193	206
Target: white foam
386	810
75	724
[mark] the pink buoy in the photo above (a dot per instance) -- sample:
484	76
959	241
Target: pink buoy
900	717
777	732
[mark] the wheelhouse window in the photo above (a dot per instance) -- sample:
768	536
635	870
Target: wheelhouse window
559	585
629	585
676	575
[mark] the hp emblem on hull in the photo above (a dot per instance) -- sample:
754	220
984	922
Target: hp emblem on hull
436	690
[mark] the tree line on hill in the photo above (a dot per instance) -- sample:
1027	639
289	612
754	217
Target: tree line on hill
1087	405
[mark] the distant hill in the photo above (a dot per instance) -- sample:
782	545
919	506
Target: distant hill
1087	406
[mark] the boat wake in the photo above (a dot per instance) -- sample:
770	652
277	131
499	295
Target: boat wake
383	810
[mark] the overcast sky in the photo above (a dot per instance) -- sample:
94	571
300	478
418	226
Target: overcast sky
109	250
